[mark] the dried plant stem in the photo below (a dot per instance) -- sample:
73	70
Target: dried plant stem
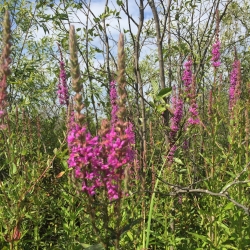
75	74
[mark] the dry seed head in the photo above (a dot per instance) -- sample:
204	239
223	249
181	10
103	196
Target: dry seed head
5	58
75	74
217	23
75	69
121	78
4	65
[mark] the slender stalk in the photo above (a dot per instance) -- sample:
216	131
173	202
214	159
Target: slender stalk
152	205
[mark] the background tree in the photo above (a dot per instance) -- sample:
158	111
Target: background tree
191	183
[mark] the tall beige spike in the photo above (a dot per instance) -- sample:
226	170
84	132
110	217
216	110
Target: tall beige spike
75	74
4	66
121	80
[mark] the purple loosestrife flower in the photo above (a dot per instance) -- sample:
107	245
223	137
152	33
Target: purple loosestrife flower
175	124
177	116
185	145
193	109
216	54
234	90
113	99
187	76
117	154
101	161
171	153
62	86
84	157
117	151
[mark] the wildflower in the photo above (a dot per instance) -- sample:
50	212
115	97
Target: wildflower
175	124
193	110
216	46
234	90
62	86
84	152
100	161
216	54
171	154
187	76
177	116
117	155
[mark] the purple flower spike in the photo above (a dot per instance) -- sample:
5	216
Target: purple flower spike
62	86
171	153
177	116
100	162
187	76
216	54
175	125
193	110
234	84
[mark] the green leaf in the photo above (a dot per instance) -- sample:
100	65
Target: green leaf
119	2
161	108
130	225
229	206
100	27
13	169
164	92
201	237
95	247
179	161
24	152
96	19
229	247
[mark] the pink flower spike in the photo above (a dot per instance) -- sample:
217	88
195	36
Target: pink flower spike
216	54
188	77
62	86
234	90
177	116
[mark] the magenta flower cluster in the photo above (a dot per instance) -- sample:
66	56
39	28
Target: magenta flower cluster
216	54
193	110
84	154
189	84
62	86
177	116
171	153
234	84
187	76
100	161
116	153
175	121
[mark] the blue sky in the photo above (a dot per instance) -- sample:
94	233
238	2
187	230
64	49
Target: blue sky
114	28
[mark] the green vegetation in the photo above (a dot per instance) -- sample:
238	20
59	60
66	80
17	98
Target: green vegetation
165	164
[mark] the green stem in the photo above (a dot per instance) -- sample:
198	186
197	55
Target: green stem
152	205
